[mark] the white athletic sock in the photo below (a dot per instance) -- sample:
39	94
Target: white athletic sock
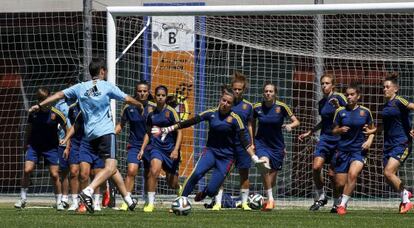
151	197
404	196
345	200
65	198
75	199
219	196
244	193
269	194
88	191
96	198
128	199
319	193
58	198
23	193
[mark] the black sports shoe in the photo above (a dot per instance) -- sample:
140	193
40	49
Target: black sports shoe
87	201
65	204
333	209
318	204
133	205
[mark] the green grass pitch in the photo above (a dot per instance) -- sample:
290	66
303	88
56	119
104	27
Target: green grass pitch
292	217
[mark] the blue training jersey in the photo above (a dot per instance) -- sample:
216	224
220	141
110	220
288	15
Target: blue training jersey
397	123
94	101
269	133
354	119
163	118
223	131
44	134
327	113
244	110
137	122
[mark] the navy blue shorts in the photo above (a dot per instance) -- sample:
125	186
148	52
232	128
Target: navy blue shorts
50	156
398	152
326	149
168	165
104	146
275	157
86	154
343	160
242	158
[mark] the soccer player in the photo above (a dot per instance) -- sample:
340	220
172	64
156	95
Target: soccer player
397	139
352	122
326	147
244	109
224	127
94	101
41	140
270	146
164	152
137	130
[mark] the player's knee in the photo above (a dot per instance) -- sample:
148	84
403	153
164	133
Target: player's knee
84	176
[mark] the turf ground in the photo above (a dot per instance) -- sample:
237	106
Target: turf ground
292	217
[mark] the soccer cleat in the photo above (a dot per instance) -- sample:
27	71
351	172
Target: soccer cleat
199	196
245	207
106	199
97	207
341	210
216	207
65	204
405	207
269	205
73	207
318	204
410	195
60	207
334	209
20	204
87	201
133	205
124	207
81	208
149	208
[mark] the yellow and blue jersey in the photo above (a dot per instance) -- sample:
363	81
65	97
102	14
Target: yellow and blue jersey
224	131
163	118
137	122
397	124
270	120
355	119
44	134
327	113
244	110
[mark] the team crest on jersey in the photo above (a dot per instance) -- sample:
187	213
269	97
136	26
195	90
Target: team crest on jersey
53	116
167	114
229	119
244	106
277	109
362	113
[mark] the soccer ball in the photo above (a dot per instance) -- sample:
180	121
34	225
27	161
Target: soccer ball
181	206
255	201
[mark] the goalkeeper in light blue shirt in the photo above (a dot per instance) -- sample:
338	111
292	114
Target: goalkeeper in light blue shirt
94	100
